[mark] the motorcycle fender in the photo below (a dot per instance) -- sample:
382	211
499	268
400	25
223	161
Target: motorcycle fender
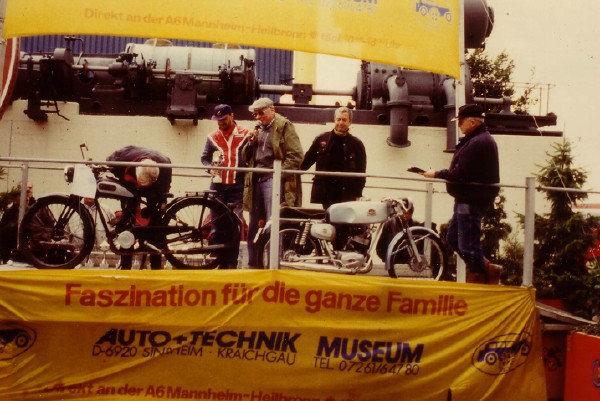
400	237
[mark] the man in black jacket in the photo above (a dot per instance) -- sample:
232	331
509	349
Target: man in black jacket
147	181
474	161
337	150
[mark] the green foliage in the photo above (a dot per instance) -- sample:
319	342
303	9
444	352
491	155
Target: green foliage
512	261
560	172
591	329
6	198
562	237
492	78
494	228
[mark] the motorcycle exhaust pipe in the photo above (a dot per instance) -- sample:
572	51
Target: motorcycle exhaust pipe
318	267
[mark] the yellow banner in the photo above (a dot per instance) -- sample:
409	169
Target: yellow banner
419	34
263	336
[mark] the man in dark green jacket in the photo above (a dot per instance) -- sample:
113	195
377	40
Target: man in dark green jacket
274	138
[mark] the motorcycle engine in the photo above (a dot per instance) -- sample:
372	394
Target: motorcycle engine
351	259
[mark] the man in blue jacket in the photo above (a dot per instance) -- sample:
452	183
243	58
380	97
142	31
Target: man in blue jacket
474	161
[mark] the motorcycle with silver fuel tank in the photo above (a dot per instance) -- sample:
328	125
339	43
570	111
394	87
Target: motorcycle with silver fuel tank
306	239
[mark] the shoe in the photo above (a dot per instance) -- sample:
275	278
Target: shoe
492	271
476	278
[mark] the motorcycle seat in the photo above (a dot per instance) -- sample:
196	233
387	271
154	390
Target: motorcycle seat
301	213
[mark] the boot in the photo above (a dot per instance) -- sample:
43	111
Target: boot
492	272
476	278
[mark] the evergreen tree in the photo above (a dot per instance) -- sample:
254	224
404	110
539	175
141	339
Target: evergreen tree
562	237
492	78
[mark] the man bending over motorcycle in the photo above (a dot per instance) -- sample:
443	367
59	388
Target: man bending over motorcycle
147	181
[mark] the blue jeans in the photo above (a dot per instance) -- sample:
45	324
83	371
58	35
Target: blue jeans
464	235
229	194
262	196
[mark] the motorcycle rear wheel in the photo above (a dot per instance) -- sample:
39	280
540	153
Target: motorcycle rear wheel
200	246
56	233
287	247
431	249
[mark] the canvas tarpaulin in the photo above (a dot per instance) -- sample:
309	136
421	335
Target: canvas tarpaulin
263	336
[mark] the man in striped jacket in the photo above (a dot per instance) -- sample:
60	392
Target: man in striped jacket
223	148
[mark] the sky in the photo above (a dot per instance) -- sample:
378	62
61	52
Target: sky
558	41
552	42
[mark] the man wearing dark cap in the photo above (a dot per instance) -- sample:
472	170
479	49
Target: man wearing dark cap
223	148
274	138
474	161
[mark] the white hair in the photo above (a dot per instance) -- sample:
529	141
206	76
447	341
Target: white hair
146	175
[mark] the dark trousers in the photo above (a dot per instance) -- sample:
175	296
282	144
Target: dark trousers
229	195
464	235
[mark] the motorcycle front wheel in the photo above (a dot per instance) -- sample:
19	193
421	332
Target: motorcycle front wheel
400	262
207	231
56	233
288	247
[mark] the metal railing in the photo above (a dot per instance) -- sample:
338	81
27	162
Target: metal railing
24	164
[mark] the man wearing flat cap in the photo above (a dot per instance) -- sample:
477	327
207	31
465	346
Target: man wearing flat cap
224	148
475	160
274	138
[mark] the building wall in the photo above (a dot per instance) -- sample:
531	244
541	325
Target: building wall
60	138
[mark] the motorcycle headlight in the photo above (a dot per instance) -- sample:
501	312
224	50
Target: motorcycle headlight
69	171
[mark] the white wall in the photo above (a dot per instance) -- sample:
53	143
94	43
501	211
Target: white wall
183	143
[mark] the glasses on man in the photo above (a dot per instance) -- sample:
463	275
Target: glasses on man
259	113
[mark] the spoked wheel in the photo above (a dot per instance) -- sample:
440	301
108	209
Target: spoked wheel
400	263
207	232
56	232
288	247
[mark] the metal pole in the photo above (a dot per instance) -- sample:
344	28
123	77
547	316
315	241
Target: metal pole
428	204
529	231
460	100
460	96
23	199
275	202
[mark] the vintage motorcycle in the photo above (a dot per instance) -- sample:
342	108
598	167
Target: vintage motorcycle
58	231
306	240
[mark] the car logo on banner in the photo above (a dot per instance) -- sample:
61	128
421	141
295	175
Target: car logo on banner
596	373
434	12
502	354
14	340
